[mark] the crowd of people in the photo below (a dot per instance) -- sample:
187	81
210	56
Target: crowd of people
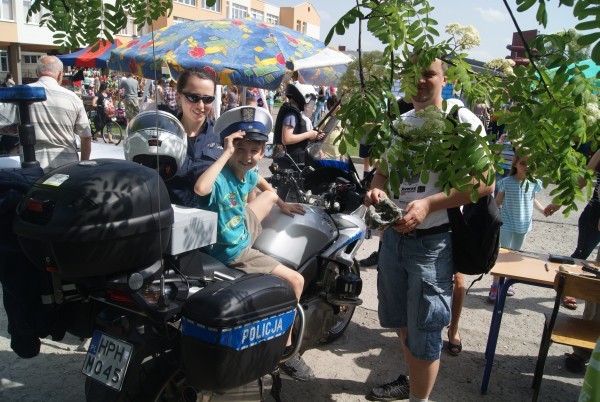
419	293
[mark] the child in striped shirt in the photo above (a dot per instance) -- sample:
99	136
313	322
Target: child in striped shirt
516	199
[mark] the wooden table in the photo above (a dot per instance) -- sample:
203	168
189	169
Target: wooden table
517	267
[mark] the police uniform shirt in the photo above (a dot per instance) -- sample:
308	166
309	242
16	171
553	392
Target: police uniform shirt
203	151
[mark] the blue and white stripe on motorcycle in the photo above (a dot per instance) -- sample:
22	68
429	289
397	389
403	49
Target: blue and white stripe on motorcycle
243	336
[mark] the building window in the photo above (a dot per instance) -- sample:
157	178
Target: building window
238	11
30	58
272	19
179	20
257	15
216	7
304	27
6	12
298	25
130	29
35	18
3	61
187	2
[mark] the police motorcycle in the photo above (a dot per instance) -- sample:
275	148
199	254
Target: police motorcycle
167	321
333	185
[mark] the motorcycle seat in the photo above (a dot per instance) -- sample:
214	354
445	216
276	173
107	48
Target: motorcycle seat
198	264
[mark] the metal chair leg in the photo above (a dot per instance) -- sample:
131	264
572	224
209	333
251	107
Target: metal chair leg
541	362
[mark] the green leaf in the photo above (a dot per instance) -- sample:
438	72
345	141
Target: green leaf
596	53
343	147
586	40
584	26
542	15
526	5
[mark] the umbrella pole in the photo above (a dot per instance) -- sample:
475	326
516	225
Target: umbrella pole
218	100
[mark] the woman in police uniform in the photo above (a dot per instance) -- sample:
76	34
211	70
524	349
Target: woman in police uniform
195	94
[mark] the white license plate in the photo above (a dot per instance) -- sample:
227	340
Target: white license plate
107	360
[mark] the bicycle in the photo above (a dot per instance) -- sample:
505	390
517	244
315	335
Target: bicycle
91	114
112	131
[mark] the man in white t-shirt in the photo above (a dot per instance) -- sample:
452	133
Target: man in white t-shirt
416	262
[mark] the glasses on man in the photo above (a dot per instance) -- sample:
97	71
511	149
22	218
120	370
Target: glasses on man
195	98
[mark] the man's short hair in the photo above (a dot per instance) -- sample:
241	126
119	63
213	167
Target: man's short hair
445	65
48	65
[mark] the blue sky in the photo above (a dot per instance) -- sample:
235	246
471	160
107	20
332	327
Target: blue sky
489	17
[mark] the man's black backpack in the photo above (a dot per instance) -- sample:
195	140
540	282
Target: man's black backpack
475	236
475	233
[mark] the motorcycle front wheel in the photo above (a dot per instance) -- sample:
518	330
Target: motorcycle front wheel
343	317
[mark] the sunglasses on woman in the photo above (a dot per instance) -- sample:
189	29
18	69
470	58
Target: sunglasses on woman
194	98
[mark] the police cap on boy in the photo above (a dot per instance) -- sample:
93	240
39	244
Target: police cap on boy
256	122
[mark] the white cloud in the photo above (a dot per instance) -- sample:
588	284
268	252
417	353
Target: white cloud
492	15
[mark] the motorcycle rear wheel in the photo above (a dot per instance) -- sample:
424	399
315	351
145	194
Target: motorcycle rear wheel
344	316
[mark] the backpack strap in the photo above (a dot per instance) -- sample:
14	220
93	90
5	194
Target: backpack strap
473	283
454	213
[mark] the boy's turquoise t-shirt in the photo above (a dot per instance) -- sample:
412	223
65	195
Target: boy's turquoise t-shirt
229	198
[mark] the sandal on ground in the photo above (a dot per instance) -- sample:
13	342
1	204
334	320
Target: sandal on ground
569	302
453	348
574	363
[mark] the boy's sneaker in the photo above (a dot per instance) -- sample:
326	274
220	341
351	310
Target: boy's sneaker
510	291
392	391
297	368
371	260
493	294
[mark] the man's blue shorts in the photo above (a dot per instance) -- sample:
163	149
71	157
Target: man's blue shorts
414	286
364	150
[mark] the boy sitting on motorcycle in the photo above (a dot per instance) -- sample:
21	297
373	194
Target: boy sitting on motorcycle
225	188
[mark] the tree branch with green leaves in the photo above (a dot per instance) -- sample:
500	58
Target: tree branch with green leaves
547	114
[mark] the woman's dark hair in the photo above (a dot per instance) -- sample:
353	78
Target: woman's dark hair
103	86
194	72
8	76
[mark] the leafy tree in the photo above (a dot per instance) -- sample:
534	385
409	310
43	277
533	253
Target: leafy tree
77	23
549	113
566	44
372	65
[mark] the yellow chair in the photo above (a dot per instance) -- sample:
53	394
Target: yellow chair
566	329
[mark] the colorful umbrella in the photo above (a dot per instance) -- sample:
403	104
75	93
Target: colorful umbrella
88	58
236	51
328	76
